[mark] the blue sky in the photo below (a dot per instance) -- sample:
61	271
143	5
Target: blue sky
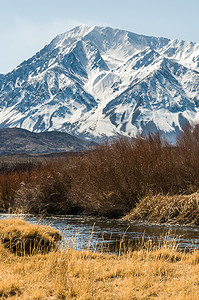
27	25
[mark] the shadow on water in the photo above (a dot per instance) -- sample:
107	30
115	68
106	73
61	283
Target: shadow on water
81	232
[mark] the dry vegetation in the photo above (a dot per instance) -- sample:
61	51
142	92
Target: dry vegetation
161	273
177	209
111	180
23	238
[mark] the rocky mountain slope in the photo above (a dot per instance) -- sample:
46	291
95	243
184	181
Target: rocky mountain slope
98	81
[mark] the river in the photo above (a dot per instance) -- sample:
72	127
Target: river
82	232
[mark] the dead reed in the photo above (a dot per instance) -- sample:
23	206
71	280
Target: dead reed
177	209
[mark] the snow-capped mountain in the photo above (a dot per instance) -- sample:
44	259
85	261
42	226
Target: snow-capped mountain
99	81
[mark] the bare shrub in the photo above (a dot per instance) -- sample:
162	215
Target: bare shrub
28	198
108	181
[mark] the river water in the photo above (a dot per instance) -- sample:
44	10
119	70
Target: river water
82	232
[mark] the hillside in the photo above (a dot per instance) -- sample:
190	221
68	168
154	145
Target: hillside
16	140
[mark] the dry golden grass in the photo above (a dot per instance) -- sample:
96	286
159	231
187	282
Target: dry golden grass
158	274
177	209
163	273
25	238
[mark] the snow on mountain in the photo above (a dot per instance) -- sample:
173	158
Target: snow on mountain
186	53
99	81
1	79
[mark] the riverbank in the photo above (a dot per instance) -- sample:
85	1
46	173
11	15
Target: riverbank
161	209
148	273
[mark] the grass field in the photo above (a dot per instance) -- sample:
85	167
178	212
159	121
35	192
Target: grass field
161	273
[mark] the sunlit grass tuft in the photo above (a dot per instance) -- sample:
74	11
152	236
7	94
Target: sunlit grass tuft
23	238
177	209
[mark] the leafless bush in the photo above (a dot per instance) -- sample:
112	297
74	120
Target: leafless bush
109	180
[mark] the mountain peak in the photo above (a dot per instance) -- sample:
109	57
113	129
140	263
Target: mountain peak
97	81
76	33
